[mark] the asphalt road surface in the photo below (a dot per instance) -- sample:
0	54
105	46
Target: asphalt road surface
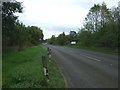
86	69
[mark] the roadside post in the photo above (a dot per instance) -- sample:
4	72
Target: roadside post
45	68
49	54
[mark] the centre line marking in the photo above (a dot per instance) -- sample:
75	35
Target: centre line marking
90	57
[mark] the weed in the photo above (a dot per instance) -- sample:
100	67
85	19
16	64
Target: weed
24	69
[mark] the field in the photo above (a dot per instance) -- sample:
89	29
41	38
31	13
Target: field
24	69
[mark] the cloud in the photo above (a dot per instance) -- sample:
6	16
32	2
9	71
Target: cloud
56	16
60	15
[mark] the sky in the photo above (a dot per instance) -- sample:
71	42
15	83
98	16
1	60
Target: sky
57	16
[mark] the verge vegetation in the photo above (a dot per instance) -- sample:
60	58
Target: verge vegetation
24	69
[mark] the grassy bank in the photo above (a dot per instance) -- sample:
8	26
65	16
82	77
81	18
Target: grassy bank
24	69
105	50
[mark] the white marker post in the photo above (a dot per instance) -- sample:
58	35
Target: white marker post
45	67
49	54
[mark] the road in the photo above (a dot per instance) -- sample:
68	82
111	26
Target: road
86	69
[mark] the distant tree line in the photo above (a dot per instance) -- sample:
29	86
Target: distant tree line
101	29
15	33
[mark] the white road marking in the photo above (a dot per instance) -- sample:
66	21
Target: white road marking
90	57
94	59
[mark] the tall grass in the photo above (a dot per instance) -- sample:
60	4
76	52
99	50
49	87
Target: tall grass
24	69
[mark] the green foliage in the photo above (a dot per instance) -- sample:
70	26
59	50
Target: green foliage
24	69
9	20
85	38
15	33
100	29
36	34
61	39
52	40
72	36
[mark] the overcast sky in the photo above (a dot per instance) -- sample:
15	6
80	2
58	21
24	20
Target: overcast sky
57	16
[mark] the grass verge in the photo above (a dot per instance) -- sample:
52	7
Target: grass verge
24	69
105	50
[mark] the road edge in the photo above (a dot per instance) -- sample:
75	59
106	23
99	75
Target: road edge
65	80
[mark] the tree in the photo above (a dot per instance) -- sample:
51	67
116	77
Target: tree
85	38
61	39
101	27
92	19
105	14
97	17
52	40
9	21
109	31
73	36
35	33
15	33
